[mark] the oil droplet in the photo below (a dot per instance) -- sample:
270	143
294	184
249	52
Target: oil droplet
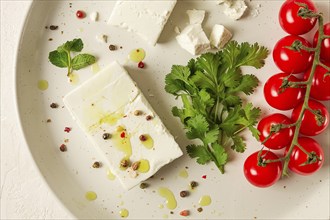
123	143
111	119
137	55
121	203
110	175
144	166
73	78
169	196
149	142
161	206
42	85
123	213
165	216
205	200
95	68
90	196
183	173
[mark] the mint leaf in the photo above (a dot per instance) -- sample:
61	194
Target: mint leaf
82	60
76	45
59	59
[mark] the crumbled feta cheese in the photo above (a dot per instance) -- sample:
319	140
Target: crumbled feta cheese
102	38
196	16
94	16
236	10
145	18
193	39
219	36
177	30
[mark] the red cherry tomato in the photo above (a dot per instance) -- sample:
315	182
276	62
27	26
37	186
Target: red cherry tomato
321	83
291	22
325	46
262	175
282	98
298	158
312	125
279	139
290	61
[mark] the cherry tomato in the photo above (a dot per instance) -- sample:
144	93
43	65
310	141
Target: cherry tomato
290	61
262	175
299	160
325	46
291	22
282	98
321	83
278	139
312	125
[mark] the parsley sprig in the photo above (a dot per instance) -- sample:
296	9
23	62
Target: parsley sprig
61	57
212	110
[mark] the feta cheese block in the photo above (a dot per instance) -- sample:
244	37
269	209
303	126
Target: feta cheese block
236	9
121	125
145	18
193	39
220	36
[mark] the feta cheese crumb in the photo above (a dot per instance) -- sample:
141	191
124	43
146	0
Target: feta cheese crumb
196	16
102	38
193	39
177	30
94	16
220	36
236	9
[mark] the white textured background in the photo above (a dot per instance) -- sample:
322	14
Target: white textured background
24	194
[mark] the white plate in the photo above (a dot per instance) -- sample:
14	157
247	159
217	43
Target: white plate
70	174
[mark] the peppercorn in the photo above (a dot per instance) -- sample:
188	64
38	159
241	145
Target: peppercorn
184	193
53	27
200	209
137	112
63	148
96	164
143	137
149	117
106	136
112	47
144	185
184	212
124	163
54	105
193	184
136	165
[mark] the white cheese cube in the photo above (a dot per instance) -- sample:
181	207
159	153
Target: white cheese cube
108	103
236	9
94	16
193	39
220	36
145	18
196	16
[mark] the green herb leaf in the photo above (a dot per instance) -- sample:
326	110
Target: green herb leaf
59	59
76	45
198	152
82	60
210	88
62	56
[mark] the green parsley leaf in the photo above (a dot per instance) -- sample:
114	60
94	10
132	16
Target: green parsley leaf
199	152
211	89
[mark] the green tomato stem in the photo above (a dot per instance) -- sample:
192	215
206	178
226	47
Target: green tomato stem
305	106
